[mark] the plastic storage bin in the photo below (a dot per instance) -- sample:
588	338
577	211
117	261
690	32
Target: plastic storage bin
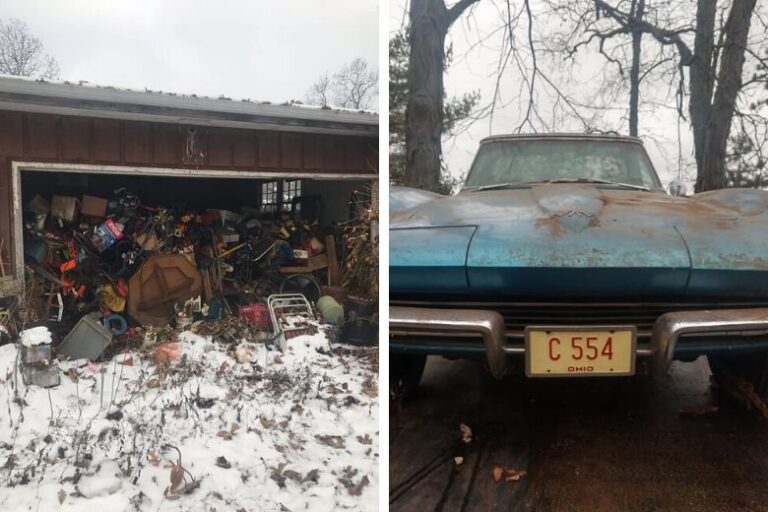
257	314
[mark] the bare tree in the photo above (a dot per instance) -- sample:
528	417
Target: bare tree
354	86
429	22
22	53
320	91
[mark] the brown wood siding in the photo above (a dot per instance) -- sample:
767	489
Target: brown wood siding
81	140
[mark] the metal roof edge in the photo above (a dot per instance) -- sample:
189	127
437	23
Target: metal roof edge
22	94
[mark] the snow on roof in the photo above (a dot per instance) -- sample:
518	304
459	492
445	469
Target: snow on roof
85	99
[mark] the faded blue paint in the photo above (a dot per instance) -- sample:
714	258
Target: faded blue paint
427	258
571	240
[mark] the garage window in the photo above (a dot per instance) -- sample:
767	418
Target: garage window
269	197
277	196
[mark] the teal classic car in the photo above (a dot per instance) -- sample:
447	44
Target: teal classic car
563	256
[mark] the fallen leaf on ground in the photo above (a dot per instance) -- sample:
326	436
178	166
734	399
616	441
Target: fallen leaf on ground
458	461
466	433
513	475
497	472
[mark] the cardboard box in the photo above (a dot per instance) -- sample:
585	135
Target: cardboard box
39	205
94	206
64	207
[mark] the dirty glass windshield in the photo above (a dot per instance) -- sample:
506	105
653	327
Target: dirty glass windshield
513	161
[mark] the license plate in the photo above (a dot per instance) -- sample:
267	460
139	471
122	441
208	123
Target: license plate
580	351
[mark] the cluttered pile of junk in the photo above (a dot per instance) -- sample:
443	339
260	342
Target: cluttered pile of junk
105	274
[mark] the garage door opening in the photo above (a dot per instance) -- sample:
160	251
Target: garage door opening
139	244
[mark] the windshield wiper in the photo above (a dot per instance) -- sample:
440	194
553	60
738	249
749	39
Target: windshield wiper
599	181
518	184
496	186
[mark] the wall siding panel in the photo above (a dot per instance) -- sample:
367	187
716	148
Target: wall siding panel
107	140
75	139
11	133
42	136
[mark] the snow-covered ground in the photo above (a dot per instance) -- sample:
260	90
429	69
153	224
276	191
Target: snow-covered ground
222	428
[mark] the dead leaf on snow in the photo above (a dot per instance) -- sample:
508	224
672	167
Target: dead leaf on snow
293	475
177	476
466	433
153	383
73	375
332	441
312	476
62	496
225	434
370	388
222	370
497	472
357	489
366	439
153	458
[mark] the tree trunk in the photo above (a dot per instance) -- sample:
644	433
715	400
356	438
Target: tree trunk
424	112
712	173
634	72
429	24
702	77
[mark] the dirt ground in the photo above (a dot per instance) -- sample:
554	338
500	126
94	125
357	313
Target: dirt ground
586	444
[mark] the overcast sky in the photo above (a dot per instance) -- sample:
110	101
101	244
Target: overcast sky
473	69
258	49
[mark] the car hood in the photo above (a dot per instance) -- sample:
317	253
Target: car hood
576	239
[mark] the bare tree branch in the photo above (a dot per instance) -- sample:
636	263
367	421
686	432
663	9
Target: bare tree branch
21	52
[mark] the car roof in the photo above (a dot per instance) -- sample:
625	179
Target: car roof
607	137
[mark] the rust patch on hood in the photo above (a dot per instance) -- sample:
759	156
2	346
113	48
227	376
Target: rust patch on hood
553	225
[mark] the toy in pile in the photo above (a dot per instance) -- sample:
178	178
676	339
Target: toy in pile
98	266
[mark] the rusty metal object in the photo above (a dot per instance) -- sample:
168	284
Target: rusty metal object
669	327
161	282
425	321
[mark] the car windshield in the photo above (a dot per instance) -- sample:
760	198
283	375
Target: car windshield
546	160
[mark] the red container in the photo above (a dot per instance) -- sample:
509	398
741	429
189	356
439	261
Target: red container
257	314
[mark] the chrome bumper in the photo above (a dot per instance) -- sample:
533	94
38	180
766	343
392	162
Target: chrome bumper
416	322
427	321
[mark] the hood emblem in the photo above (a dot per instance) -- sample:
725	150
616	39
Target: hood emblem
571	213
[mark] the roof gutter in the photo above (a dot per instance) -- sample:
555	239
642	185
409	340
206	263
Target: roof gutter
103	102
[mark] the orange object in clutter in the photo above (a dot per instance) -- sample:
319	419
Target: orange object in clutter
167	353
